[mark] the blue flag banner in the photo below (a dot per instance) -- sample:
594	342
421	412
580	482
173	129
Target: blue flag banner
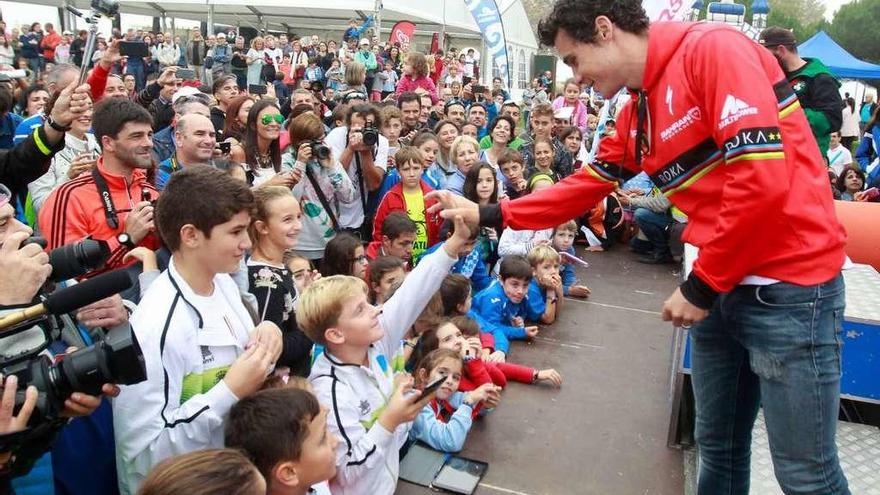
488	19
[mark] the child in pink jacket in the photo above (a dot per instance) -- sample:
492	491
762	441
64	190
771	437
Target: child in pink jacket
415	76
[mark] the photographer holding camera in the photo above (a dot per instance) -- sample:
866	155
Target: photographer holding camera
363	152
23	272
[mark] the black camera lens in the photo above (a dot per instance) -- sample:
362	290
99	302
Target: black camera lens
320	151
370	136
75	260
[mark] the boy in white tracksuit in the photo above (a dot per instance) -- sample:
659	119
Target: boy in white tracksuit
199	343
354	377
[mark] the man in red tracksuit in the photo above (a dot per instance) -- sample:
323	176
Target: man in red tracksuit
720	132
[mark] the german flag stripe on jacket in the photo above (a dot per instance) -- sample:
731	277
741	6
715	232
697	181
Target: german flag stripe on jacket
730	146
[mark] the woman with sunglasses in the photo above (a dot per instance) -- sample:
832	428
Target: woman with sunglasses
260	150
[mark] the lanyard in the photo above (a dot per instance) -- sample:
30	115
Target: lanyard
106	199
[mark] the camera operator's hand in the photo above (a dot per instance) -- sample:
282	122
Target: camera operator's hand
80	404
82	163
8	422
139	222
248	372
106	313
111	55
22	271
71	103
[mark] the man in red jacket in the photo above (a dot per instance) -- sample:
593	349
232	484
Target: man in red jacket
51	40
720	132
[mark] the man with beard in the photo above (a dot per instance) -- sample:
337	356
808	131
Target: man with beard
410	105
812	82
112	203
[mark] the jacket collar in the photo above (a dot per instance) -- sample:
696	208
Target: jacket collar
664	39
114	181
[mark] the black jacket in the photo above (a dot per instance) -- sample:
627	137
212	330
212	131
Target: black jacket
27	161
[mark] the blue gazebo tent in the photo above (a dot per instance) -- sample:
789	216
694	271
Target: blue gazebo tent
841	63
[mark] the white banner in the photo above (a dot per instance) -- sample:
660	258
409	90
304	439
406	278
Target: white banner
666	10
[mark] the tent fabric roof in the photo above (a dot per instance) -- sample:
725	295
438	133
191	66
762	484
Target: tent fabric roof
841	62
427	15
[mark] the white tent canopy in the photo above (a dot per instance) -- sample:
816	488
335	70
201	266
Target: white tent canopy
306	17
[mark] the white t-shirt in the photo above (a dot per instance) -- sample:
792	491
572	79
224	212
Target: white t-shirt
468	67
275	54
839	158
351	215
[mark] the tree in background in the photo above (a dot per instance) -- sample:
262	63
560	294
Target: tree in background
855	28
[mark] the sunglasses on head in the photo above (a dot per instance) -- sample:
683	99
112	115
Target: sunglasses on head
268	118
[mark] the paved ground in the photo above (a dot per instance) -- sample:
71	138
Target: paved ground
604	432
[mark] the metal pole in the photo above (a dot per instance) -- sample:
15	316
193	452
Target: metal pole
377	19
210	19
442	41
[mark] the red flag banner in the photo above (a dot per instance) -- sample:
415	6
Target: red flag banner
403	32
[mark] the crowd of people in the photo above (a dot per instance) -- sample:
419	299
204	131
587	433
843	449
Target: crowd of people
270	196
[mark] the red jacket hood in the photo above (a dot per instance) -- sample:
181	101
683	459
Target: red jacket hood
664	39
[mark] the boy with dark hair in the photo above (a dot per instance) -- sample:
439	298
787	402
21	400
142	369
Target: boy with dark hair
506	303
201	348
284	432
363	352
457	298
397	236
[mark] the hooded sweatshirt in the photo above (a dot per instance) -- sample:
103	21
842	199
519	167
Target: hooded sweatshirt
727	145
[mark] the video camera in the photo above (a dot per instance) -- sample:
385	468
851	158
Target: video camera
26	332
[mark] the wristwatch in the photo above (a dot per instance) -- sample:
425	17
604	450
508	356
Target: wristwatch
126	241
55	125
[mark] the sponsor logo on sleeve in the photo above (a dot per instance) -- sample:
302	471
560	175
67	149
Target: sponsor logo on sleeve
693	115
733	110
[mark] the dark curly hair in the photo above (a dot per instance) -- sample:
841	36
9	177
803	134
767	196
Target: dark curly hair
578	18
841	179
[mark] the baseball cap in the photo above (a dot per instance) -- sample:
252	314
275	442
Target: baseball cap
365	41
776	36
186	91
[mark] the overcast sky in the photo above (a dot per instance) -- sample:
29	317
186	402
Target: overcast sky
831	6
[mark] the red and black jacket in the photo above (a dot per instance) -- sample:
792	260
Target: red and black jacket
724	138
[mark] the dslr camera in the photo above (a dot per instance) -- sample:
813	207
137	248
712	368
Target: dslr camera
320	151
371	135
115	357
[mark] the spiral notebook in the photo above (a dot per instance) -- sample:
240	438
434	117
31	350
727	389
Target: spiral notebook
425	466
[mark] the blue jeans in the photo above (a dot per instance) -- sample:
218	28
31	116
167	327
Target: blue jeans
655	226
776	346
